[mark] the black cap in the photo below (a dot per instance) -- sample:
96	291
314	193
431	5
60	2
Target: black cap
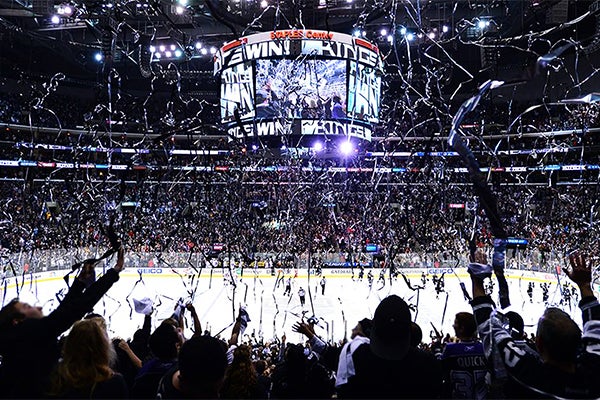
390	334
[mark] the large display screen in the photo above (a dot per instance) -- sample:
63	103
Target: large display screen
299	83
306	89
364	92
237	92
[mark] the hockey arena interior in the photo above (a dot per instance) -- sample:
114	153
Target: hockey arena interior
299	199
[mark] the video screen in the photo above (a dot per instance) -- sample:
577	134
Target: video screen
364	92
237	92
307	89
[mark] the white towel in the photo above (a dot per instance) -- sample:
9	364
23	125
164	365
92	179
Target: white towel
345	364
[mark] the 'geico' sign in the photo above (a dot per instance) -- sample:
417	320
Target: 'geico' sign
149	270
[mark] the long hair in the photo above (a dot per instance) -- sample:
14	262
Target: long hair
240	378
87	358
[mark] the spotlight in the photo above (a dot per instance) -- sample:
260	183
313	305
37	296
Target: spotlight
98	57
356	33
183	2
431	35
55	19
264	4
403	31
390	38
162	47
383	32
317	146
173	47
198	45
179	10
213	50
178	53
204	51
254	147
410	37
152	49
168	54
67	10
346	148
481	24
157	55
445	29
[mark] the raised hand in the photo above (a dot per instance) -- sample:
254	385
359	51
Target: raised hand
580	273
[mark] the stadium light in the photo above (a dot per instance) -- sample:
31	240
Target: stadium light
346	148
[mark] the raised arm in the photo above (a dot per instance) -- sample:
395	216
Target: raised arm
197	326
80	300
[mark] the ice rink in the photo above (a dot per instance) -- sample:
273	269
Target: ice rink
346	299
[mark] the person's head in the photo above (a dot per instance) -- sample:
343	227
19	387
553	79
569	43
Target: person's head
202	365
165	342
99	319
362	328
390	334
465	326
260	366
173	322
416	334
557	337
16	311
262	96
294	357
87	356
337	99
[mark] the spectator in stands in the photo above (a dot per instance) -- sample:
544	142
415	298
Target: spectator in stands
165	343
300	377
569	363
28	339
360	334
388	367
264	379
85	368
464	362
416	335
200	371
241	379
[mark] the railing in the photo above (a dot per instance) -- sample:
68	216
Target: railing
62	259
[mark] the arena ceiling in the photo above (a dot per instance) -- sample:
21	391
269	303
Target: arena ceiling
502	46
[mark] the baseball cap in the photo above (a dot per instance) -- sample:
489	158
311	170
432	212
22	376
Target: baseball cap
390	333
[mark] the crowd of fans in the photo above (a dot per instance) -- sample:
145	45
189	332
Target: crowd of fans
386	356
332	217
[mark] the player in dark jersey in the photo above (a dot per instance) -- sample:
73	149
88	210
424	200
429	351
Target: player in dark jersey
464	362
